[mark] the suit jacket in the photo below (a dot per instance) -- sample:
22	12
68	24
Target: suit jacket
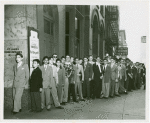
135	72
114	72
55	74
97	73
47	76
87	71
123	71
36	80
21	75
78	70
107	74
61	76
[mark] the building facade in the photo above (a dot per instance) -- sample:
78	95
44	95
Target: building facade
75	30
122	49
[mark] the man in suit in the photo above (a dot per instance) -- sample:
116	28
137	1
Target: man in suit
130	76
21	78
47	80
36	87
87	78
61	81
98	76
92	81
54	84
78	70
114	77
123	77
135	75
106	79
71	89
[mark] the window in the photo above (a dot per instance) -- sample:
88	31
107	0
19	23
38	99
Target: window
48	26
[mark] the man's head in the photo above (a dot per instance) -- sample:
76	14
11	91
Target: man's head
36	63
19	57
50	59
85	59
80	61
54	56
63	60
90	58
45	60
77	60
98	59
58	62
71	59
67	58
105	61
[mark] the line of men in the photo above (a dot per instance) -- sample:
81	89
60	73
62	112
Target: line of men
57	80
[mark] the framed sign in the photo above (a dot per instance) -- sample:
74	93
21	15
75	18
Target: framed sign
33	46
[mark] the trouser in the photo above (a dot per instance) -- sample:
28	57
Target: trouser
35	101
78	85
60	92
66	86
106	88
112	87
53	92
45	95
97	88
71	90
121	85
86	88
130	85
117	87
138	85
126	84
17	94
135	82
92	85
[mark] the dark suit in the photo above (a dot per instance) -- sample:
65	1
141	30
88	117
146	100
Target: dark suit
135	72
86	84
97	80
35	85
130	78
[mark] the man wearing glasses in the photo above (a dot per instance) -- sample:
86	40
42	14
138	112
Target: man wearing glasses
54	58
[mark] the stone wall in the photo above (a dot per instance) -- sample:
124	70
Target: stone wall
17	19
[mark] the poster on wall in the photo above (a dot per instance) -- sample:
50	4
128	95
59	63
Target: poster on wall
34	52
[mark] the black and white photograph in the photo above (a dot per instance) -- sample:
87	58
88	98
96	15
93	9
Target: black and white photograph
75	61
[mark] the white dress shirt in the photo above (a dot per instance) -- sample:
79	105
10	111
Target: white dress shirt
98	66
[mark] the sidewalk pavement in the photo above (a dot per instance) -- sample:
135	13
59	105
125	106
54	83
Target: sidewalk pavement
126	107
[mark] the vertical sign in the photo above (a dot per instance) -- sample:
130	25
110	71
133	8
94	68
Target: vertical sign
143	39
34	52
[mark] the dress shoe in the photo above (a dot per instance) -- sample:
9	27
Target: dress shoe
14	112
126	92
105	97
82	99
88	98
20	110
39	110
48	109
117	95
63	103
111	96
60	107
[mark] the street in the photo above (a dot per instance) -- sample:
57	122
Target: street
131	106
